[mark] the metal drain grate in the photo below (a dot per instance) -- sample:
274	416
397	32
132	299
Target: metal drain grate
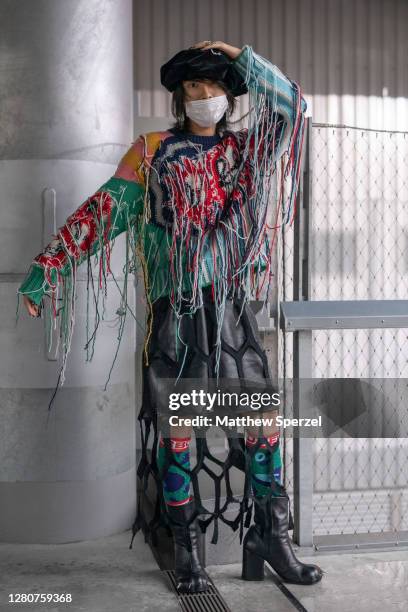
210	601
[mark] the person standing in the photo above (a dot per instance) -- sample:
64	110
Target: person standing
193	200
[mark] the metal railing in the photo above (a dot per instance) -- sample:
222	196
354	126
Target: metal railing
342	314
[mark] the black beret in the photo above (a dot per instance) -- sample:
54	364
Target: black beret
211	64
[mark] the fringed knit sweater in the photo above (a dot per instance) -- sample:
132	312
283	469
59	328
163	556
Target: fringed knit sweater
195	209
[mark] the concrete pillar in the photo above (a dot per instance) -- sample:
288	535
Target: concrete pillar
66	119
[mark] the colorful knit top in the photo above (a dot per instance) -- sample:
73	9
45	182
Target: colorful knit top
195	208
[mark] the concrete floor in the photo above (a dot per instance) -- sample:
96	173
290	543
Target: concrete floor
363	582
104	575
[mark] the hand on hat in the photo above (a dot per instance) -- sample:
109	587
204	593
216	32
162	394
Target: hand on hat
231	51
207	59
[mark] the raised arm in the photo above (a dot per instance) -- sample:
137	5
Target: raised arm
270	147
276	121
285	104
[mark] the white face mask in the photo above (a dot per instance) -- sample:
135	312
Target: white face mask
207	112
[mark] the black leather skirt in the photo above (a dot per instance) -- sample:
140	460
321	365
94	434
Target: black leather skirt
191	353
242	361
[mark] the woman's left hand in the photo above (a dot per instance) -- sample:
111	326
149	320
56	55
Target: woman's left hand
231	51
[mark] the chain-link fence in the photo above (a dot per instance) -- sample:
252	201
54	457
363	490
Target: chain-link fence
358	217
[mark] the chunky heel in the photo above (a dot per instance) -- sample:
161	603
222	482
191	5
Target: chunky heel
268	540
252	566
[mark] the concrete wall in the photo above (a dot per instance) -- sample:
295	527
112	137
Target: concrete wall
66	82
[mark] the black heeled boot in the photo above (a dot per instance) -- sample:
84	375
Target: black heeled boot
190	576
268	540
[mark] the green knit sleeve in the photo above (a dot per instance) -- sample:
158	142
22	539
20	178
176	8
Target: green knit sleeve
34	285
111	210
89	234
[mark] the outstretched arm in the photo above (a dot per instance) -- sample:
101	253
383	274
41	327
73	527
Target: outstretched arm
285	101
90	228
93	227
